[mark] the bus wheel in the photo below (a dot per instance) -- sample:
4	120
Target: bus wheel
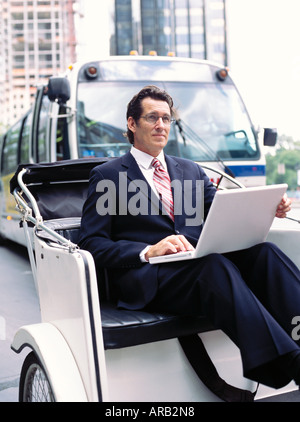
34	383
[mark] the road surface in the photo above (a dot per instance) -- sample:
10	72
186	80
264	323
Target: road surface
18	306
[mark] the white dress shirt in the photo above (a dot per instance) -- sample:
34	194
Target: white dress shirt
144	161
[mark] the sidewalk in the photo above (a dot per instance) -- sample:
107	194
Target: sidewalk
18	306
9	389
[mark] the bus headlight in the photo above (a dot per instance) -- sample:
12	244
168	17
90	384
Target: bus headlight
91	72
222	74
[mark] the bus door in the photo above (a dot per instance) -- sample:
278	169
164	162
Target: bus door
15	149
40	146
59	132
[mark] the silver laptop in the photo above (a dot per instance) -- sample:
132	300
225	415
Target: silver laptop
237	219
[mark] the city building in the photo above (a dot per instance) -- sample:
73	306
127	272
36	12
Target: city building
37	40
186	28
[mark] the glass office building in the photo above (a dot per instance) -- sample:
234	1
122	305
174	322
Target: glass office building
37	40
186	28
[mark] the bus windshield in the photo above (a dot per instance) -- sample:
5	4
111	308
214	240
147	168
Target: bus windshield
211	121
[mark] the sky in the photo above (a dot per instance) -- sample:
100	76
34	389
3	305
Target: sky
93	29
264	60
264	55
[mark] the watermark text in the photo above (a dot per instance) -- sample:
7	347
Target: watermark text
133	199
296	329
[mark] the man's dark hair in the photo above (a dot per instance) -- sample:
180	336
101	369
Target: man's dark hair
134	107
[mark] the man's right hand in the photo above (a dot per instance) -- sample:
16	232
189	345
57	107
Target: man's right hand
169	245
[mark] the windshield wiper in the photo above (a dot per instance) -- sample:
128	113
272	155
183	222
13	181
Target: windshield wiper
186	131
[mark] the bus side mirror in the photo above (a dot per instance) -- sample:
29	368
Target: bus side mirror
270	137
58	89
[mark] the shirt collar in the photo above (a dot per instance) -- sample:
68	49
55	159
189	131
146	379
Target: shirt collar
145	160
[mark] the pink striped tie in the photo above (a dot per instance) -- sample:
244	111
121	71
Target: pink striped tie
162	183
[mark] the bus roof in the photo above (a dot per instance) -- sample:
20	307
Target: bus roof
155	68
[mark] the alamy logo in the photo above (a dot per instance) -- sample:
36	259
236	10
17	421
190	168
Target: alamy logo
133	199
296	330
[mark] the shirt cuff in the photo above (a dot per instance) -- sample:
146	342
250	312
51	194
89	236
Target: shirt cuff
143	253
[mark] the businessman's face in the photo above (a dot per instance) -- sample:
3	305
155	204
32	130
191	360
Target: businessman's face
151	136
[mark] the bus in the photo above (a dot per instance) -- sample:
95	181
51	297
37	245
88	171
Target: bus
82	113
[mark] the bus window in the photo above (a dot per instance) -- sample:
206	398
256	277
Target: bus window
62	139
42	153
25	139
213	121
10	150
101	124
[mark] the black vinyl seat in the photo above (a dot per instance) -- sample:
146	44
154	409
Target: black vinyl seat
123	328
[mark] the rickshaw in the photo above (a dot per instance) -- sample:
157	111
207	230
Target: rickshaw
85	349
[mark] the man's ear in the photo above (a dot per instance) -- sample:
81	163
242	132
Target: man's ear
131	124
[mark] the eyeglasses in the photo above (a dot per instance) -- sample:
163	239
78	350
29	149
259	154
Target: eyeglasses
153	118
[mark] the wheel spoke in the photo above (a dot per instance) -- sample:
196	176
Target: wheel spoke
37	387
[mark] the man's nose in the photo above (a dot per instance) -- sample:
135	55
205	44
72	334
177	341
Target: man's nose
159	122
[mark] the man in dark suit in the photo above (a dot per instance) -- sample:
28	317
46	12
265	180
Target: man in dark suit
252	295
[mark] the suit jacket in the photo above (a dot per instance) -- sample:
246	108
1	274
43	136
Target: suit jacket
116	238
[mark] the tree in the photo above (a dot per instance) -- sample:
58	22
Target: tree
291	160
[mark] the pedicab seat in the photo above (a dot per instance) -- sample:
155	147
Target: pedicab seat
121	327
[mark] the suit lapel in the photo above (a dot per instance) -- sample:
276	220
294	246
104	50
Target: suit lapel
134	174
174	169
131	167
176	175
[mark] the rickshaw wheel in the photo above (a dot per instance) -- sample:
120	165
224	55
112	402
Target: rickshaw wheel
34	383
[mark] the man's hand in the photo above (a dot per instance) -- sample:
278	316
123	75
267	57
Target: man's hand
284	207
169	245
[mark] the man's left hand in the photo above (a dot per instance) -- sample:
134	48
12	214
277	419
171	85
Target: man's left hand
284	207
